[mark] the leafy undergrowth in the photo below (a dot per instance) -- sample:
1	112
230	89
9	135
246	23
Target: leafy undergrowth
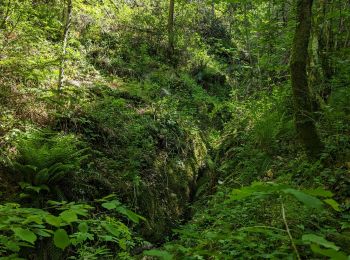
252	222
271	202
64	225
173	153
144	154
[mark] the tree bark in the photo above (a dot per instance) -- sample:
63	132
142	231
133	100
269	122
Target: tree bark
171	38
305	124
67	24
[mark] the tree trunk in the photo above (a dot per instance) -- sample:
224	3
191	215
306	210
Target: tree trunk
305	125
67	24
171	37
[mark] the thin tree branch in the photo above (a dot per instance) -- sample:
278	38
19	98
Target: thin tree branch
288	232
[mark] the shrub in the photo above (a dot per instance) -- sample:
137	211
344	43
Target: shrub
67	225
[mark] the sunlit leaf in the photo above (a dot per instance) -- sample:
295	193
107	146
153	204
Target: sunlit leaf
312	238
331	253
69	216
307	200
53	220
25	235
333	204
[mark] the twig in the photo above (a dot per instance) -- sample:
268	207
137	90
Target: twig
288	232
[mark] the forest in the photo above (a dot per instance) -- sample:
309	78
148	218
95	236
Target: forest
174	129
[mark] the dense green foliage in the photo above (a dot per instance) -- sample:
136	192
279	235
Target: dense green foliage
129	132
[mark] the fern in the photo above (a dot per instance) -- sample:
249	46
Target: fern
45	159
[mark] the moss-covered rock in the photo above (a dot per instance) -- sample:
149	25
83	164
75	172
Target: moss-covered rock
149	157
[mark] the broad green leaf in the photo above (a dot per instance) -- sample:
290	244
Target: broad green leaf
333	204
53	220
107	198
83	227
33	218
57	203
42	232
257	188
164	255
130	214
25	235
12	246
69	216
331	253
306	199
61	239
111	204
312	238
80	209
319	192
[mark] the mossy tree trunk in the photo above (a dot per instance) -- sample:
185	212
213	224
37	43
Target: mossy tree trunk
305	124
